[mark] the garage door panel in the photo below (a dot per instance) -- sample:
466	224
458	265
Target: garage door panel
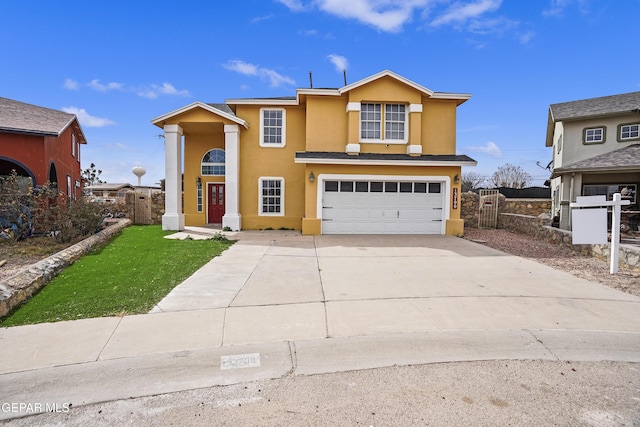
395	210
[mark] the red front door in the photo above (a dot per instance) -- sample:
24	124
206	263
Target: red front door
215	203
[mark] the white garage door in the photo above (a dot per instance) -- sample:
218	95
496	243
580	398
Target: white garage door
382	207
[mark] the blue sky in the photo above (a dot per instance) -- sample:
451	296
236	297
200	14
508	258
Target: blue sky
119	64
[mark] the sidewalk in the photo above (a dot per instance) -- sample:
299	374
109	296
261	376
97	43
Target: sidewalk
278	303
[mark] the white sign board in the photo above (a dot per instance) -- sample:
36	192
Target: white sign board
589	226
599	202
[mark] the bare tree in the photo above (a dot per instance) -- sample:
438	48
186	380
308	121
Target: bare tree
92	175
471	181
510	176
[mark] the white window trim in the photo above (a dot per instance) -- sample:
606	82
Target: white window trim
73	145
383	126
284	128
282	201
199	198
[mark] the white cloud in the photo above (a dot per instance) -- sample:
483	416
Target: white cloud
148	93
96	85
87	119
526	37
241	67
385	15
71	84
169	89
274	78
491	26
558	7
340	62
460	13
294	5
153	91
490	148
261	18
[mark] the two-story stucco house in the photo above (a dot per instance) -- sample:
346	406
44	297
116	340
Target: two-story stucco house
596	150
377	156
42	144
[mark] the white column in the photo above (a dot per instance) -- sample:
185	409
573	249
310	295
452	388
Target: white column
232	218
173	218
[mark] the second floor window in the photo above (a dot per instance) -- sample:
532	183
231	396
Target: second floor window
593	135
383	122
272	127
629	132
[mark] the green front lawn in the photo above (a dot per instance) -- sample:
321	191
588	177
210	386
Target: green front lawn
128	276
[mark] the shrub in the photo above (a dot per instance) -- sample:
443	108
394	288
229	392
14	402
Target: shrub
26	210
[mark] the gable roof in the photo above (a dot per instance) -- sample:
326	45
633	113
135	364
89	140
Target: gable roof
20	117
288	100
222	110
621	160
603	106
388	73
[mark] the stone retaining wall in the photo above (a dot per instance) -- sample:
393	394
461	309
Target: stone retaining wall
21	286
629	256
470	200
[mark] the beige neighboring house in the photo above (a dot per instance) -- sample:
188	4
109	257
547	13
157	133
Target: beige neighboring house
110	193
596	151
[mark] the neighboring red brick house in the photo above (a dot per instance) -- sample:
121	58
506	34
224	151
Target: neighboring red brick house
42	144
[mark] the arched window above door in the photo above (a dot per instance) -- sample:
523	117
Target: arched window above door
213	163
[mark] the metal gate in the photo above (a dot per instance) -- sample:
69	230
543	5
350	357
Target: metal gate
488	209
142	208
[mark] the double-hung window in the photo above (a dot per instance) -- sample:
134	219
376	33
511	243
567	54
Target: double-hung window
273	123
593	135
384	123
271	198
629	132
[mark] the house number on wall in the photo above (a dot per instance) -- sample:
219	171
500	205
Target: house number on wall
455	198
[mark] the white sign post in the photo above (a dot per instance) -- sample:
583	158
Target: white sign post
588	224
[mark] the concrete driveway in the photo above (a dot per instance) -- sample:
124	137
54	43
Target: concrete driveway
277	303
279	286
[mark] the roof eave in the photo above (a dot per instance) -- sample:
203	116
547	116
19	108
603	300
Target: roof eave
604	169
261	101
28	132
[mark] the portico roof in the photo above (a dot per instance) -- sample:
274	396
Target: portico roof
221	110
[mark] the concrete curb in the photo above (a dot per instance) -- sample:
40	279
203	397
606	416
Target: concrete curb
22	285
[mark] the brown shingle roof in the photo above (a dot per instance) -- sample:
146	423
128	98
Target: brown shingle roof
16	116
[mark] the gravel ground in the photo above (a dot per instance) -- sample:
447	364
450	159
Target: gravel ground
560	258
